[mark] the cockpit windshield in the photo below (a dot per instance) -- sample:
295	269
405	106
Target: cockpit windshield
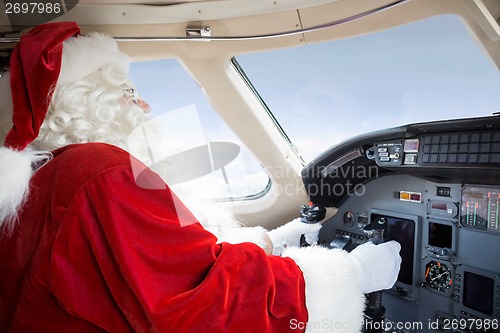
325	93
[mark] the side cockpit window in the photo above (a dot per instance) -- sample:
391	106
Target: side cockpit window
186	141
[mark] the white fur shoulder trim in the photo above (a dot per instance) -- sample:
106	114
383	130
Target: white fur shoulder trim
15	174
334	299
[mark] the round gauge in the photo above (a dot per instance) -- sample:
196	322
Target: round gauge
438	275
349	219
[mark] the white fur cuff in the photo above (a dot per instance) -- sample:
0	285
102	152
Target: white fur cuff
334	300
243	234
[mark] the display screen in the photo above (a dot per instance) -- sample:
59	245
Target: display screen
480	208
478	291
440	235
402	231
439	205
411	146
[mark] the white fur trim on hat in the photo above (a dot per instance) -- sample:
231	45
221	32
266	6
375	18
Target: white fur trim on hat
334	299
84	54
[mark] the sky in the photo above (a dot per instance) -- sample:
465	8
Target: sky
182	119
323	94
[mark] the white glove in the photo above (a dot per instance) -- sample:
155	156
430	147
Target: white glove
377	266
289	235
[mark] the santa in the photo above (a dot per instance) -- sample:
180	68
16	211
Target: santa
85	248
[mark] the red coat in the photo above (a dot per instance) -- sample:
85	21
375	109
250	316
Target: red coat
94	252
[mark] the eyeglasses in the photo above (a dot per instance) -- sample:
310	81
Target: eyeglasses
130	93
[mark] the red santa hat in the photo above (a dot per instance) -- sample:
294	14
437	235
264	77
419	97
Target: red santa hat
46	56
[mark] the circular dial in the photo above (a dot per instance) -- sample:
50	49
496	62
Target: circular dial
349	219
438	275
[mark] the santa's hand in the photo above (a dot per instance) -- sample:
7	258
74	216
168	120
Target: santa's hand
376	266
289	234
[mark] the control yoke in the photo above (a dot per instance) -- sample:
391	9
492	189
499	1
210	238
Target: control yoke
311	214
376	232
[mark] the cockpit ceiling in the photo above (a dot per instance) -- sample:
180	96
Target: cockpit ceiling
236	18
109	12
147	2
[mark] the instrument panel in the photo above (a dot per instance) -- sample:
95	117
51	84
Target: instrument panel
450	241
437	185
479	208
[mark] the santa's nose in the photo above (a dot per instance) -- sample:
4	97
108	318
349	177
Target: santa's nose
143	105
